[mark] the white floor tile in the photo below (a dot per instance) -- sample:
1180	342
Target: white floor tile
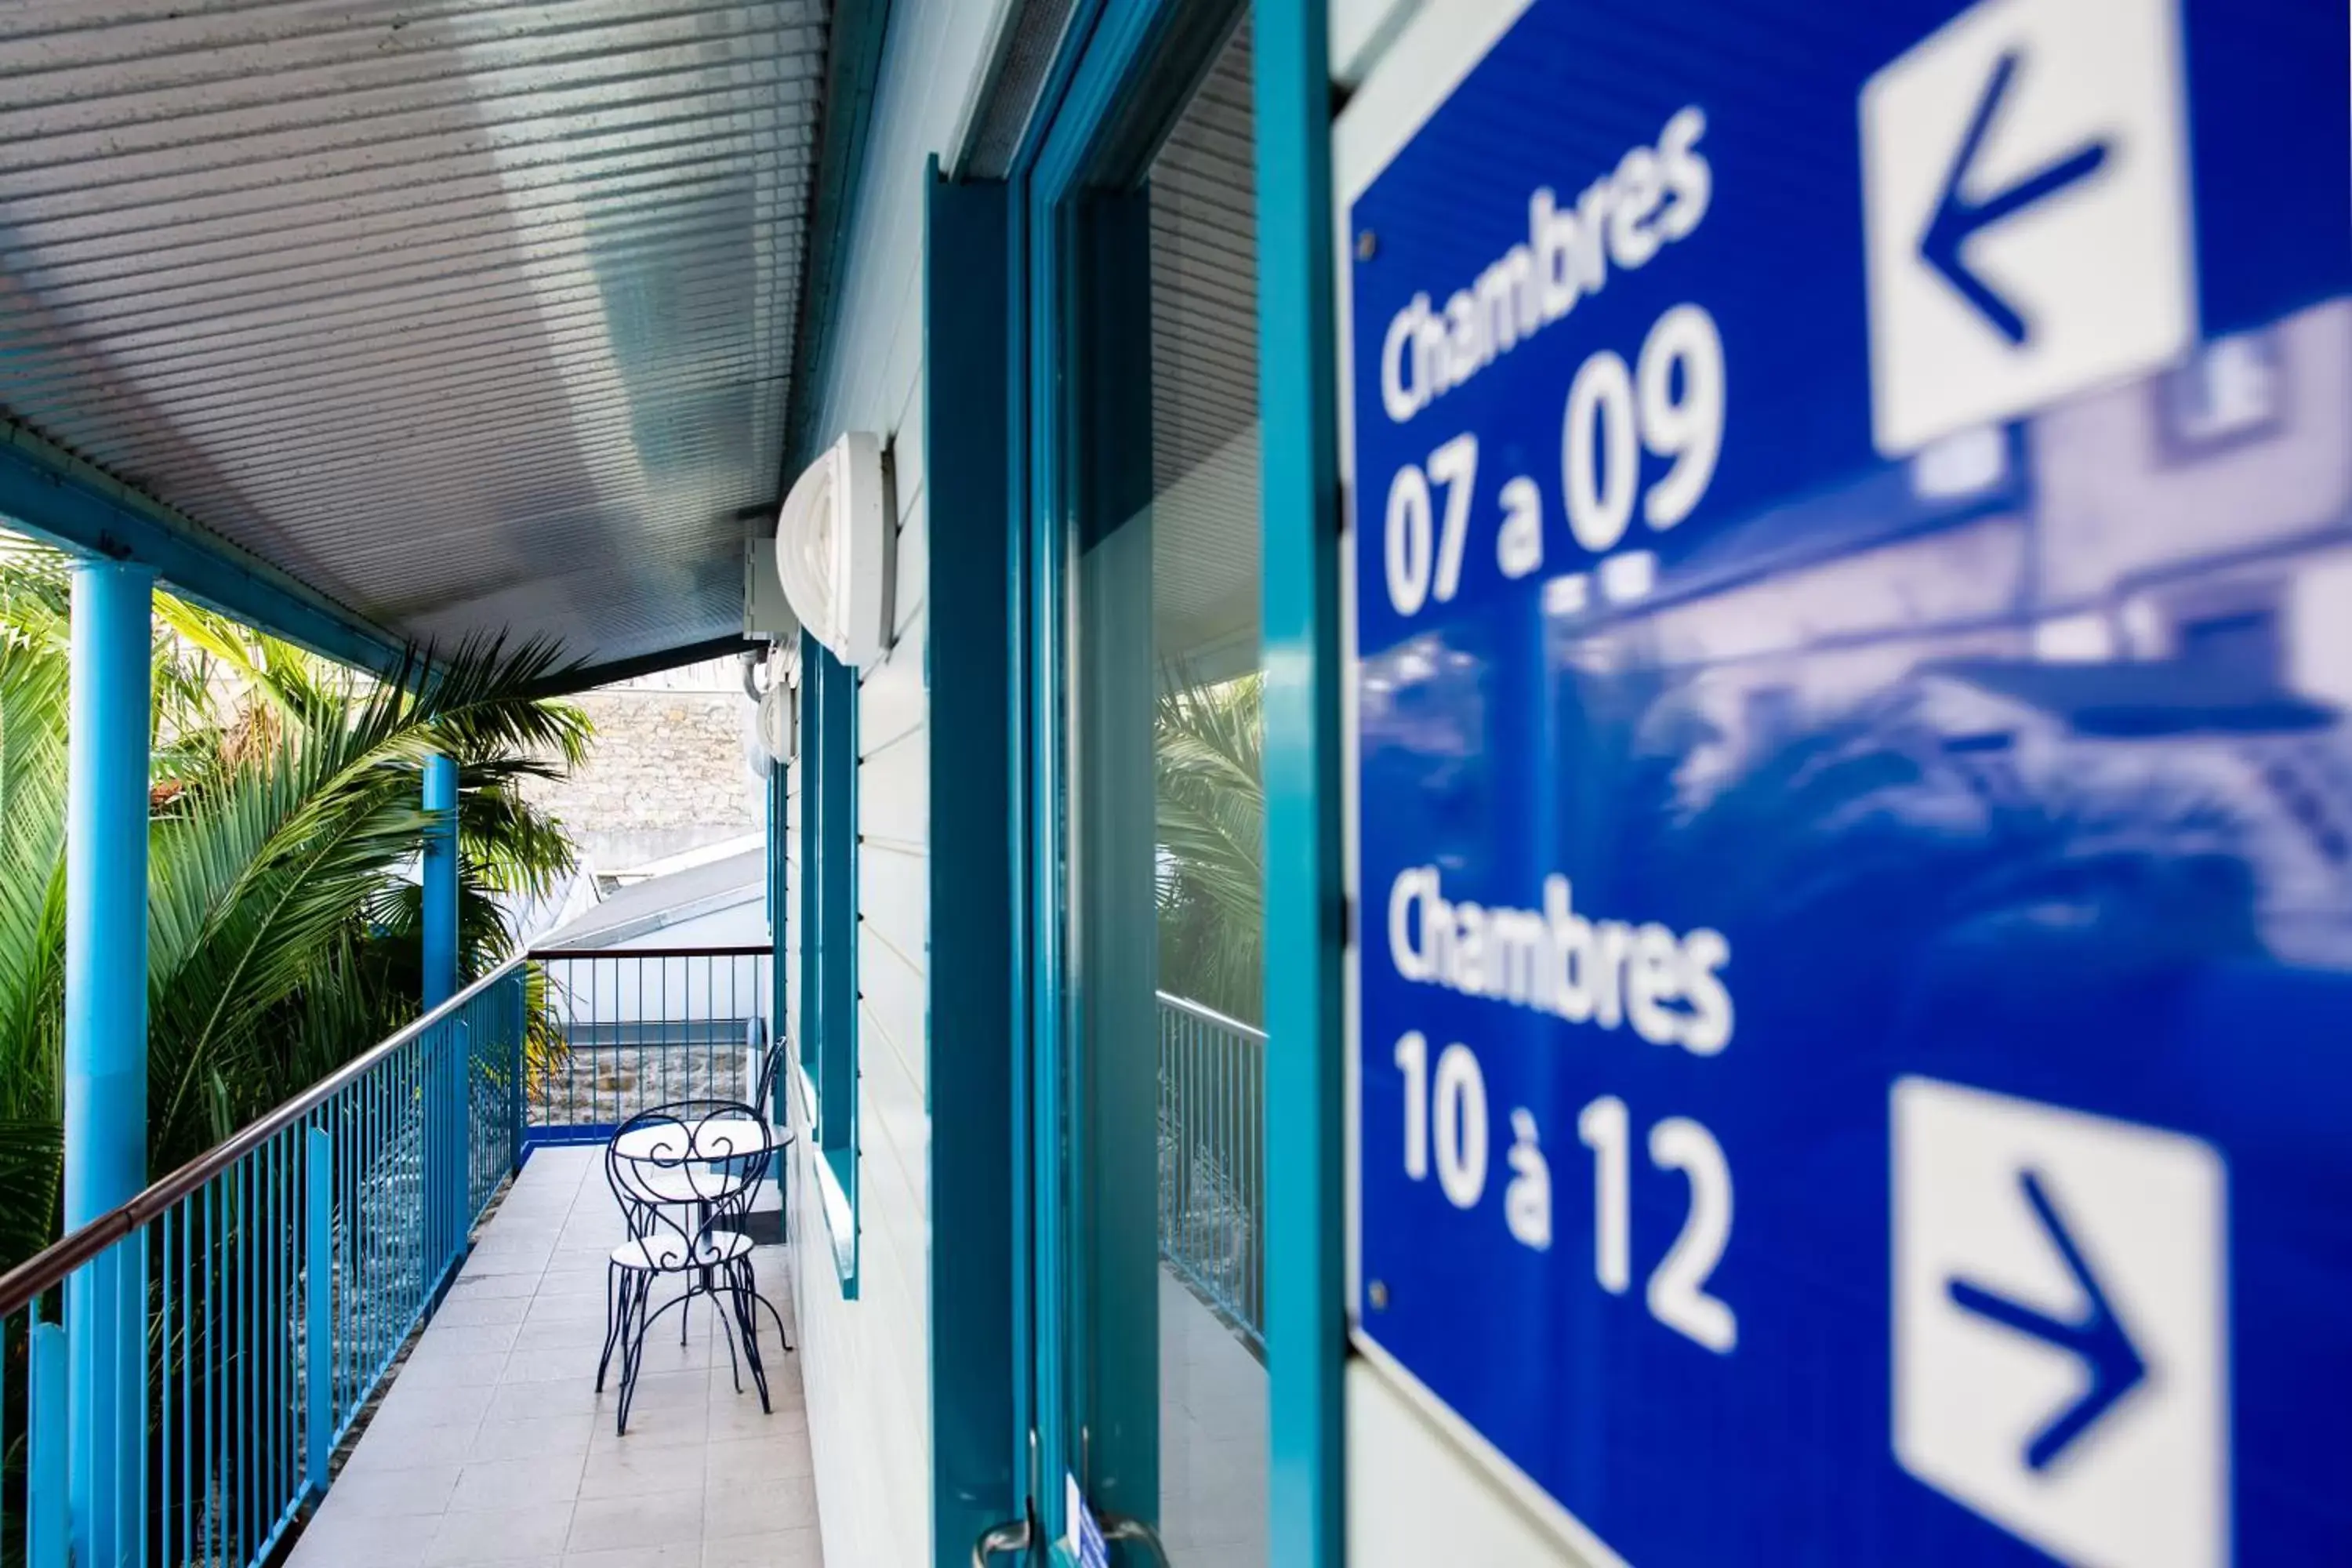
492	1446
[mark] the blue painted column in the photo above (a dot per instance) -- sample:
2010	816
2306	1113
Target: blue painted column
106	1050
440	882
46	1515
445	1112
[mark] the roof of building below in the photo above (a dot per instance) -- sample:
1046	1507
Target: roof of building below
659	903
2145	699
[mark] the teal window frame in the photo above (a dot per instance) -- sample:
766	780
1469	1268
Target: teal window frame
1306	891
1101	87
828	947
974	1049
805	890
778	808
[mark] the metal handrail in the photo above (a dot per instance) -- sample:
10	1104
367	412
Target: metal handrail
1212	1094
47	1269
754	950
631	1028
1210	1015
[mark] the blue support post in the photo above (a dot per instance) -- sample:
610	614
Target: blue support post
444	1129
318	1287
440	879
45	1470
106	1047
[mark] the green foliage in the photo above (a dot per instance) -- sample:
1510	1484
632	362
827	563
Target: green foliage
1208	741
32	899
285	817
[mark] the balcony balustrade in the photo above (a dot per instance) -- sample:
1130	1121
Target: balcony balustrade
283	1275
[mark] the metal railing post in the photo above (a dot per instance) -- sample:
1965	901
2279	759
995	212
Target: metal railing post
318	1349
434	1156
45	1470
448	1177
518	1008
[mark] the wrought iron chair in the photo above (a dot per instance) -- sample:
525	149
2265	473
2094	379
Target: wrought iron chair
771	1060
723	1129
676	1176
762	1105
746	1123
658	1139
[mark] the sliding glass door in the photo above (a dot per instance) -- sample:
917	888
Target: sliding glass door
1148	808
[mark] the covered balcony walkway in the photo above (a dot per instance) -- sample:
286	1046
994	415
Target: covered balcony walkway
493	1446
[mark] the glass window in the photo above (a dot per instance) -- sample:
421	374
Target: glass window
1166	833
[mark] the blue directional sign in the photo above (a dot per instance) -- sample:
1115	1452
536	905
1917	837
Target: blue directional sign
1960	216
1853	602
2111	1365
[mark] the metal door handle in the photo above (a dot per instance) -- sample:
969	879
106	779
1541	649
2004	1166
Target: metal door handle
1012	1535
1119	1527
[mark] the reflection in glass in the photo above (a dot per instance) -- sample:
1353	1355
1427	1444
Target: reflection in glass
1168	822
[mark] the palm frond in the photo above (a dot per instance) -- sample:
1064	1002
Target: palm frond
1208	746
33	705
286	820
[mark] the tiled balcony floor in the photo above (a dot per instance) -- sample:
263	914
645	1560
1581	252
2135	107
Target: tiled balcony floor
493	1447
1213	1438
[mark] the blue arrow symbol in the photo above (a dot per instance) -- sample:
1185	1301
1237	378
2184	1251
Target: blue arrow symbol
2097	1338
1958	217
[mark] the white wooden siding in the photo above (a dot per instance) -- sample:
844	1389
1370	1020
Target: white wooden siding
1416	1495
866	1364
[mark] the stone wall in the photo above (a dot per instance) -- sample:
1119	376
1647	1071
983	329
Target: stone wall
668	773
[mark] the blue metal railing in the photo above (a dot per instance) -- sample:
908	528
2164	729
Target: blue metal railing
277	1278
1213	1161
278	1275
623	1031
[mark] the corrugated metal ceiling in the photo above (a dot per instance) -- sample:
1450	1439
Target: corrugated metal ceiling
1204	409
475	317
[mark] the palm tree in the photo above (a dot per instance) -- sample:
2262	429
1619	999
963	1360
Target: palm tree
1208	741
286	812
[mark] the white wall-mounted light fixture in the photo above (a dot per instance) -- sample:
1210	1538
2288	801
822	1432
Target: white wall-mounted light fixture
779	723
834	547
771	721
